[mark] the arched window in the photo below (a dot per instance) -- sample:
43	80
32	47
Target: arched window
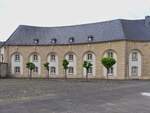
53	64
16	64
71	57
90	57
36	59
113	70
53	70
135	63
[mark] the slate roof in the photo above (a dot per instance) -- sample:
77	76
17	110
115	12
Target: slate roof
114	30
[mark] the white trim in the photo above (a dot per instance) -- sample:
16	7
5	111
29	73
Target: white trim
37	63
114	66
93	62
71	63
16	63
53	64
135	63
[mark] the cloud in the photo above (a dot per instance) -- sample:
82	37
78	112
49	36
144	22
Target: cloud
66	12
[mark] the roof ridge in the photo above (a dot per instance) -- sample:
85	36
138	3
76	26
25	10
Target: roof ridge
123	31
11	36
75	25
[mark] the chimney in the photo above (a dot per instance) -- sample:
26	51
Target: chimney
147	21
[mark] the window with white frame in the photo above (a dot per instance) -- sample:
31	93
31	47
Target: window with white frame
35	41
70	70
35	57
53	70
110	54
53	41
70	57
89	56
90	38
71	40
52	58
17	57
134	56
90	70
134	71
36	69
110	71
17	69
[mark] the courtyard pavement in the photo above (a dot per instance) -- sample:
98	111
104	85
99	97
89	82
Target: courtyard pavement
74	96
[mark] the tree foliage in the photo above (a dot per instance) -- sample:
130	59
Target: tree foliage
108	62
31	67
46	65
65	66
87	65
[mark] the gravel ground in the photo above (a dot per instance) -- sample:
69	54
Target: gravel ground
73	96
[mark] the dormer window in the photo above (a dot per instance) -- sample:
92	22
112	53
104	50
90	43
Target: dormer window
36	41
53	41
71	40
90	38
147	21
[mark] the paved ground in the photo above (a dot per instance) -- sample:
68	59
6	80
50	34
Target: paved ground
73	96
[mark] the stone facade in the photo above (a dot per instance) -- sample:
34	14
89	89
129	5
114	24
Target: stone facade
119	47
143	48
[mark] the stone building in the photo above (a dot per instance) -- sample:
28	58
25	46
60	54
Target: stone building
127	41
1	51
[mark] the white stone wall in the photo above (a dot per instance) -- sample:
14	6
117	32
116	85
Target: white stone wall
16	63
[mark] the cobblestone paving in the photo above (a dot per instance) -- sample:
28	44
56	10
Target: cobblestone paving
73	96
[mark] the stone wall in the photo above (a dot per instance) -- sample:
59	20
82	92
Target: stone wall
144	49
97	48
3	70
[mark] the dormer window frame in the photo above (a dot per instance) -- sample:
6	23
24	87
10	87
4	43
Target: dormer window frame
71	40
36	41
90	38
53	41
147	21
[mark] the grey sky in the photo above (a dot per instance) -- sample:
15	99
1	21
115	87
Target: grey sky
66	12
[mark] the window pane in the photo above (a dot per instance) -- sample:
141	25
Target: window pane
89	57
90	70
70	70
53	70
35	70
17	69
110	54
35	58
70	57
134	56
52	58
17	57
134	71
111	70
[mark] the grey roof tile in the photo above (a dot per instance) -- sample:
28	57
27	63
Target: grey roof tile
102	31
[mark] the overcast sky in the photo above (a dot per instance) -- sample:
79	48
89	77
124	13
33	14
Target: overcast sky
66	12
